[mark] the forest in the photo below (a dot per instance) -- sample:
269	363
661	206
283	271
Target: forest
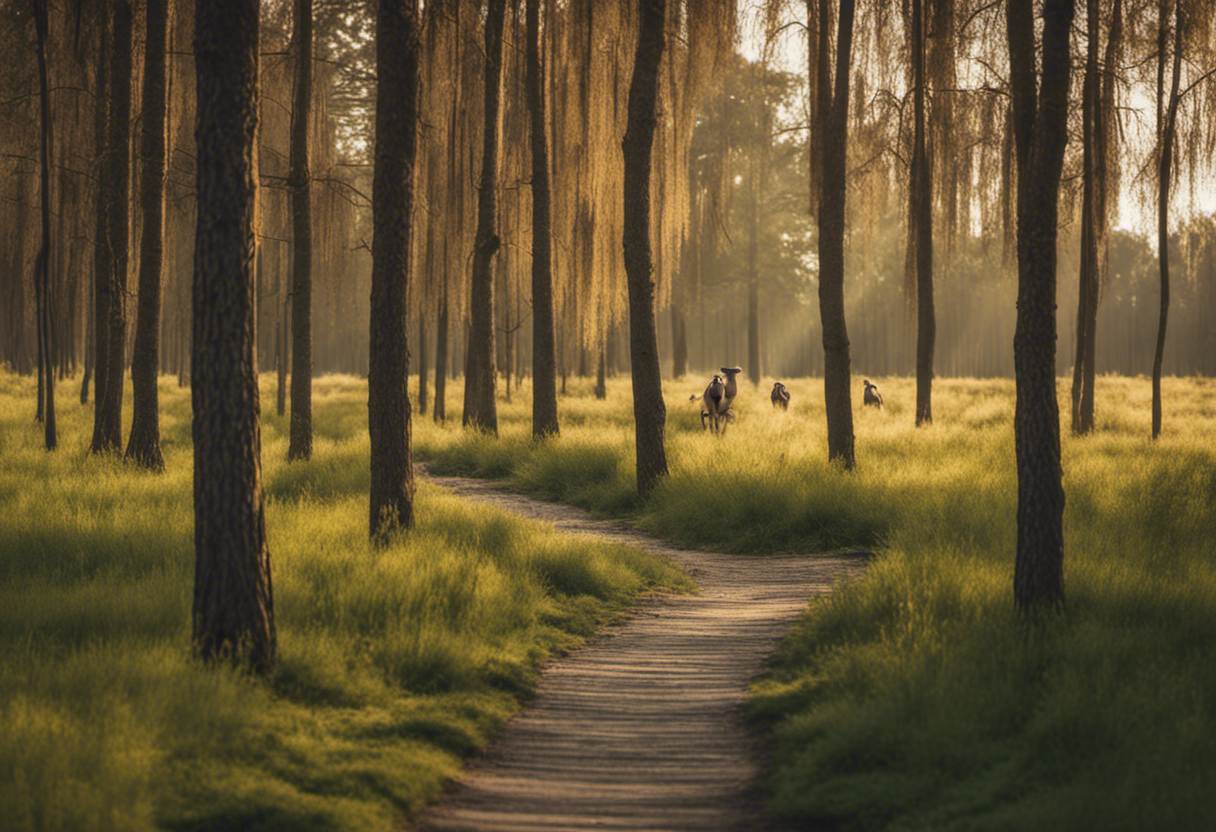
636	414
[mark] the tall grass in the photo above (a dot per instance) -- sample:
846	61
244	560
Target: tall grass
393	664
914	697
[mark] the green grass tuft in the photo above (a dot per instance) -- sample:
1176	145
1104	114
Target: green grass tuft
393	665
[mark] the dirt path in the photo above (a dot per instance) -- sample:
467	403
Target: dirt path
641	728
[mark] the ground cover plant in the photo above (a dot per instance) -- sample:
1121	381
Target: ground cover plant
393	663
915	697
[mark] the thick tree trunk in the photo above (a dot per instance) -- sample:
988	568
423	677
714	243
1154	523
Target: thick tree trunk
233	597
95	354
837	379
46	317
922	227
544	356
300	443
441	353
388	402
144	444
1040	134
480	407
649	411
112	281
1165	140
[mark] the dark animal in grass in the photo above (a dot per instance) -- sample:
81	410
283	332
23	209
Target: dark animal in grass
714	405
731	387
780	396
871	398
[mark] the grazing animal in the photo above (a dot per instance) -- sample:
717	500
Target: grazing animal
871	398
780	396
715	405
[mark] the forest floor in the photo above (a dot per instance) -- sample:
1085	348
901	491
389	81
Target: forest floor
394	665
910	697
914	697
643	728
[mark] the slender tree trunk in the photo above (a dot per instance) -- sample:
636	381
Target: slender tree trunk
1040	134
112	283
300	443
837	379
42	277
1087	289
89	304
1167	128
441	350
19	349
423	357
480	407
144	444
649	411
601	375
283	304
233	597
388	403
544	357
922	213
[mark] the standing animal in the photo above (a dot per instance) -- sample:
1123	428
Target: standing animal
714	405
780	396
731	387
871	397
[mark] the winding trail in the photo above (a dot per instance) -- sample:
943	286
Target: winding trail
641	728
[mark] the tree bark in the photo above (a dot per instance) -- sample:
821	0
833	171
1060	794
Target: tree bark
441	351
922	228
1087	289
480	407
233	597
1040	135
111	323
544	356
143	447
388	402
649	411
300	443
423	358
46	317
837	379
1167	130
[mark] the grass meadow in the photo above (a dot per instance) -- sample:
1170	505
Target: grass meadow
914	697
393	666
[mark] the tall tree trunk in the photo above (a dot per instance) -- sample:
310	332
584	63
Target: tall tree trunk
300	443
441	349
1166	132
20	352
95	355
544	356
1040	133
837	380
1087	289
112	283
601	374
649	411
423	357
283	304
233	597
679	341
480	408
144	444
89	304
42	277
388	401
922	227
